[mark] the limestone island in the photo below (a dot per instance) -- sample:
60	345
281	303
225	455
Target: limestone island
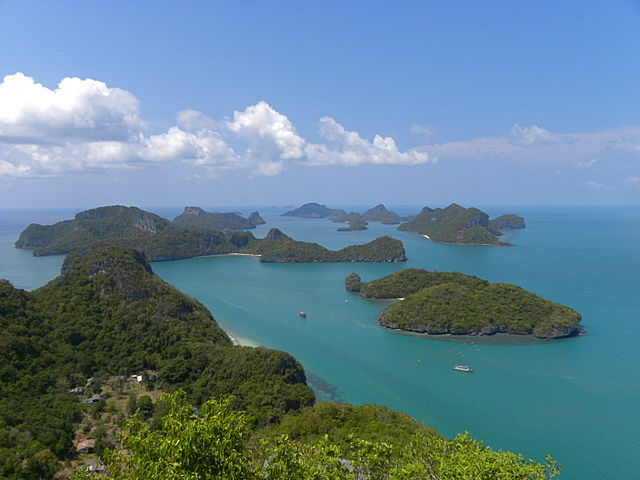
159	239
314	210
453	303
461	226
197	217
358	221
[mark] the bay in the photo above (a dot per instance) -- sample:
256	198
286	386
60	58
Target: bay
576	399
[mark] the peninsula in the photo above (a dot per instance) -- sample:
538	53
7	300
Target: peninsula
159	239
458	304
458	225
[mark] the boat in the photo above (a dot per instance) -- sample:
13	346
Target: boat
463	368
302	315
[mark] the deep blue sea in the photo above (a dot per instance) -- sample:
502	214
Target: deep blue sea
576	399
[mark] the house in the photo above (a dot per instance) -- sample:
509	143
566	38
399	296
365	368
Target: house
86	446
92	400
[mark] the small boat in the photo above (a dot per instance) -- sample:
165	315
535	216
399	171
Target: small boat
302	315
463	368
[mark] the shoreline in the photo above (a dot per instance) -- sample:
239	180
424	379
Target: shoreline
239	341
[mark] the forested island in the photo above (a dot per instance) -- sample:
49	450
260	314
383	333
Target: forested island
197	217
159	239
459	304
358	221
458	225
314	210
85	358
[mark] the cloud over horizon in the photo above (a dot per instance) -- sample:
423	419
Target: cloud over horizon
83	125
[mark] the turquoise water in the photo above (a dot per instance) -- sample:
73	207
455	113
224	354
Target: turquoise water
576	399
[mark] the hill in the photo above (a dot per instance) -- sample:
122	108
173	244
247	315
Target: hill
197	217
313	210
380	213
278	247
107	314
159	239
458	304
458	225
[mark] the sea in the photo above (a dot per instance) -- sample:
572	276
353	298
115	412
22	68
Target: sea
576	399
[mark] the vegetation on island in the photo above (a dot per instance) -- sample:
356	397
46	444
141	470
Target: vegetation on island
459	225
314	210
357	221
197	217
459	304
217	442
108	315
277	247
159	239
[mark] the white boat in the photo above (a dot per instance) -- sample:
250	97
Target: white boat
463	368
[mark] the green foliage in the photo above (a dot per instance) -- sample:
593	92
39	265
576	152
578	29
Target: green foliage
459	225
353	282
451	302
216	443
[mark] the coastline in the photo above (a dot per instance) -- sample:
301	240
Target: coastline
239	341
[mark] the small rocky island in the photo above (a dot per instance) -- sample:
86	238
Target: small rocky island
159	239
454	303
197	217
463	226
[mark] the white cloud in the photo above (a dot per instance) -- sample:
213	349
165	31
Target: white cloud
261	123
350	149
192	120
424	131
595	185
76	110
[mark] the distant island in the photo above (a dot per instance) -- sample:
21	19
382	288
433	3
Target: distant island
197	217
159	239
357	221
458	225
459	304
314	210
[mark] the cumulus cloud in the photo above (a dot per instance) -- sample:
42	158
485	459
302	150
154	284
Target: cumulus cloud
264	126
84	125
350	149
78	109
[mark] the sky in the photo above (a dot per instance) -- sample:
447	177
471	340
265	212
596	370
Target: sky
344	103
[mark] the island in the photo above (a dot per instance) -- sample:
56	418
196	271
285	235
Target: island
159	239
453	303
461	226
358	221
197	217
314	210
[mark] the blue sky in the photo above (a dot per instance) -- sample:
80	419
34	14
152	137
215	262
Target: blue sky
249	103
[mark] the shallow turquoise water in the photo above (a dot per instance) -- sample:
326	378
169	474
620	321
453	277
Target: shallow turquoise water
576	399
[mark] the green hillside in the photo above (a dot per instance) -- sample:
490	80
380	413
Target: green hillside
458	225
